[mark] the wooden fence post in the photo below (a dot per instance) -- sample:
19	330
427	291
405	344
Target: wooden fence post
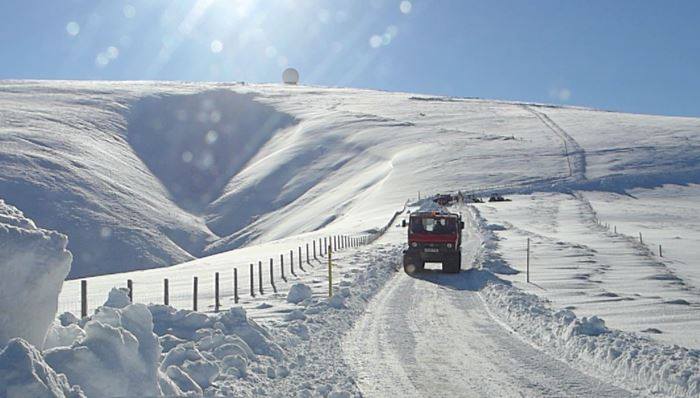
640	238
330	272
260	277
252	281
528	261
291	262
300	262
130	287
284	278
661	254
308	261
272	277
217	303
235	285
83	299
194	296
166	292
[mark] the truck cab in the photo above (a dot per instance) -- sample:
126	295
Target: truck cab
434	237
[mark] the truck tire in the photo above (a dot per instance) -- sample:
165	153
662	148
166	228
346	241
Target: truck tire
412	264
453	264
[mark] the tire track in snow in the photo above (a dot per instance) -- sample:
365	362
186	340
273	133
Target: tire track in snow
575	154
432	335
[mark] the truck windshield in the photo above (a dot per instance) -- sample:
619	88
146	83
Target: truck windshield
432	225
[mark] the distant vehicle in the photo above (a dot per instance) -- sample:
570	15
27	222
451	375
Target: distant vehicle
473	199
434	237
498	198
443	200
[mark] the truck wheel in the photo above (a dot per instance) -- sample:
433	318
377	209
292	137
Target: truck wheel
412	264
453	264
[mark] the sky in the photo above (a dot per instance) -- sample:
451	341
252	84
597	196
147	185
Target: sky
638	56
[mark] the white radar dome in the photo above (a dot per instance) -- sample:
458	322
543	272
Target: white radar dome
290	76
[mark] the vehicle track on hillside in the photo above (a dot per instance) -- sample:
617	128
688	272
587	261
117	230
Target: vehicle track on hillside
432	335
575	154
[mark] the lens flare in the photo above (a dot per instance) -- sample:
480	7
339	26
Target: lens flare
216	46
72	28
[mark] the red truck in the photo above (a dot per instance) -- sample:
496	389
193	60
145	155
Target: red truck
434	237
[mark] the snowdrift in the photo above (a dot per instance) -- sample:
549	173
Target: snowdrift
143	175
126	349
33	264
639	362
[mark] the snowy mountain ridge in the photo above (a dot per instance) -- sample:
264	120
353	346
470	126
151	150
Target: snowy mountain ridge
146	174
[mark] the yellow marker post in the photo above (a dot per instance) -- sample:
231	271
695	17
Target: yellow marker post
330	272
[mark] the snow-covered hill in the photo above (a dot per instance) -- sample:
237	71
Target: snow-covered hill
142	175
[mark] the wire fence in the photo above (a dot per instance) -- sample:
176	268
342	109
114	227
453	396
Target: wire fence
216	286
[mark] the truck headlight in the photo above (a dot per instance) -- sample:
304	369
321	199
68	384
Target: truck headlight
414	244
449	245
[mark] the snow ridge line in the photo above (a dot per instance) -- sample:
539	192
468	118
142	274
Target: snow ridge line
572	149
626	359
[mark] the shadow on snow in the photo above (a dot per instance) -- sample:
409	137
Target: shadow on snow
472	279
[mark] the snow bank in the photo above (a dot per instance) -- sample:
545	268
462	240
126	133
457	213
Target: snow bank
225	353
488	256
128	349
119	355
24	373
33	264
639	362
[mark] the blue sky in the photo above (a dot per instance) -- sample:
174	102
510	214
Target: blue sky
633	56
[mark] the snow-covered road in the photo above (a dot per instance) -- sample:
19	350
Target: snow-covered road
432	335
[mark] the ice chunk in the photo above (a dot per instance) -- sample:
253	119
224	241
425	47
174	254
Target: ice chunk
168	342
592	326
183	380
298	293
237	362
118	298
337	301
256	337
24	373
62	336
202	371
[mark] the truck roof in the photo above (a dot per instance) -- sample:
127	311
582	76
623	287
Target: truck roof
434	214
